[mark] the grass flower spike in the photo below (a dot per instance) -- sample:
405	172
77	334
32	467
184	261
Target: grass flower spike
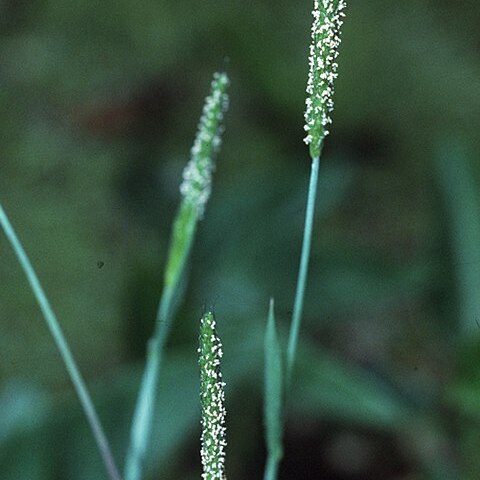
197	176
327	21
212	397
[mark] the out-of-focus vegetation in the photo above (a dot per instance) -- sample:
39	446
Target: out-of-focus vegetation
98	108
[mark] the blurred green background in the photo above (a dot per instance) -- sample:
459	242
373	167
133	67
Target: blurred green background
99	103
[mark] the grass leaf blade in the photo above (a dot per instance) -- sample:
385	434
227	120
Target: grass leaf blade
274	392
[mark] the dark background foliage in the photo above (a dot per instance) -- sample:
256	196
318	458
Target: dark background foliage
98	108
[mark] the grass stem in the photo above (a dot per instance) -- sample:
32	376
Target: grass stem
303	270
271	468
63	347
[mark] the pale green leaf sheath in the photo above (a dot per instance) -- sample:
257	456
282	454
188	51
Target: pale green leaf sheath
327	22
213	398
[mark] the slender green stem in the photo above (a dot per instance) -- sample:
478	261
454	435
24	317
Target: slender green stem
271	468
143	415
303	270
183	234
145	406
63	347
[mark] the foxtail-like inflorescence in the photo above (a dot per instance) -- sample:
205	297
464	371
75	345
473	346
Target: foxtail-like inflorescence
327	21
197	175
213	398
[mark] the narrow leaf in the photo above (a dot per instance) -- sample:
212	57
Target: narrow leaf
274	392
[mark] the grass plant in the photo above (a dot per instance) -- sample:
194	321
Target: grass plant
98	101
327	21
195	190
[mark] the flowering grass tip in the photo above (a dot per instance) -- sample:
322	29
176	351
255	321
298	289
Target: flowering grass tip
327	22
212	398
197	176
